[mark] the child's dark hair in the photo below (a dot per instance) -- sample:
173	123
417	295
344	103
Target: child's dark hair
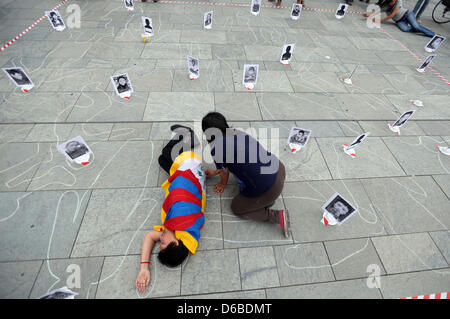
214	120
173	255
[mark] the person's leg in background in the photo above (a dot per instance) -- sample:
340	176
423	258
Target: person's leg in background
420	7
411	19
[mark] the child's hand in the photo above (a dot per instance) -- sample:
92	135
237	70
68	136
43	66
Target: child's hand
211	173
219	188
143	279
366	14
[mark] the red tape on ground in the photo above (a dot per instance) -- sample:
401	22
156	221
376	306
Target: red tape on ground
28	29
414	55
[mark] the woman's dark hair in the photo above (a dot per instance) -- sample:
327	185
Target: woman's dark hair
214	120
173	255
383	3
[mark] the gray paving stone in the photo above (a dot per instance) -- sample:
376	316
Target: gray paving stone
320	82
442	241
92	131
176	51
204	272
435	127
418	155
126	216
322	128
310	196
274	129
20	161
239	232
114	164
119	274
415	284
319	54
108	107
49	133
178	106
237	106
51	219
73	95
14	132
357	56
57	273
412	252
303	264
416	205
258	268
304	106
435	106
444	182
351	289
268	81
381	128
366	106
70	80
213	79
130	131
351	128
373	158
17	278
228	52
37	107
351	258
370	83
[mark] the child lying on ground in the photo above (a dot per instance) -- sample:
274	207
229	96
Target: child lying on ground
182	211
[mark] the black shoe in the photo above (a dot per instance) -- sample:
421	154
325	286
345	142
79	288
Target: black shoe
183	130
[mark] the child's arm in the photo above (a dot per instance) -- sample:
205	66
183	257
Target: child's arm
143	277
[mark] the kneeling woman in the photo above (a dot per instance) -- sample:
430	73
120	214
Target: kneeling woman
260	174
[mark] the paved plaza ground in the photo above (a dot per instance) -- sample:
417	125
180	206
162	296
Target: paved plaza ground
55	214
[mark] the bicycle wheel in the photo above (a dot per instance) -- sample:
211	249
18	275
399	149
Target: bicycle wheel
441	13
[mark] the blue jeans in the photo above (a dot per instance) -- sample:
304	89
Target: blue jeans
409	24
420	7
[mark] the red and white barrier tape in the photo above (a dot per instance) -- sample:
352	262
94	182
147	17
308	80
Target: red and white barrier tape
441	295
28	29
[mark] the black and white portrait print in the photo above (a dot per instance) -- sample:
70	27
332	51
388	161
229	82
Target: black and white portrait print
338	207
296	10
426	63
74	148
18	76
341	10
129	4
147	24
207	19
358	140
256	6
299	136
434	43
55	19
193	66
122	84
402	119
250	73
286	54
62	293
